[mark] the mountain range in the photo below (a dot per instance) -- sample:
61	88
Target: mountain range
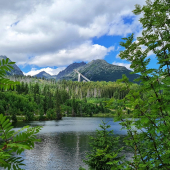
96	70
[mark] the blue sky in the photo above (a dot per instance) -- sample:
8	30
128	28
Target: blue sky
68	31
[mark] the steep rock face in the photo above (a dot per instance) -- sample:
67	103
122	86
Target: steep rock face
43	74
15	71
69	69
100	70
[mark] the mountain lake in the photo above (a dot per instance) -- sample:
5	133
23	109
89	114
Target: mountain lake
64	143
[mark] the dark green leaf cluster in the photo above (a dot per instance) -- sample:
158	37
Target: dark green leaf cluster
15	142
149	135
5	65
105	154
80	107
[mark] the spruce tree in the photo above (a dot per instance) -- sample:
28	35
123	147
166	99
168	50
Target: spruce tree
105	153
58	104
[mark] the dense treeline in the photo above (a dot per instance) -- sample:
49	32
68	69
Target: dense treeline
40	99
77	107
97	89
80	90
31	100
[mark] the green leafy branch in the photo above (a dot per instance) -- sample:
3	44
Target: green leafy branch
5	66
15	142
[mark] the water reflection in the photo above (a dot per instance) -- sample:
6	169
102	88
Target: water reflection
64	143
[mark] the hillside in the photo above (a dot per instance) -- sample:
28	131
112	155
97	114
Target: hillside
69	69
43	74
100	70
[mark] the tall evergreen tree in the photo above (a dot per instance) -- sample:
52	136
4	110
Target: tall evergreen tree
104	154
58	104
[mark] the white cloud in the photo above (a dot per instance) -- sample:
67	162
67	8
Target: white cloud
48	70
118	27
117	56
84	52
122	64
54	29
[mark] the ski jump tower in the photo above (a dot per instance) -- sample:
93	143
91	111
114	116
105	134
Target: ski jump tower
79	74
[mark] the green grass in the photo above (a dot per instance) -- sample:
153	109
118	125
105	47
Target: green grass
21	118
96	100
103	115
36	117
111	115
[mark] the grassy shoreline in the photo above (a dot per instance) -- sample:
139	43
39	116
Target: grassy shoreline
36	117
111	115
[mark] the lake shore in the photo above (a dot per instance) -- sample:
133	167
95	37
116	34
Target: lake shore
36	117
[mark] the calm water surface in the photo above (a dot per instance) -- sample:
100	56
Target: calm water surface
64	143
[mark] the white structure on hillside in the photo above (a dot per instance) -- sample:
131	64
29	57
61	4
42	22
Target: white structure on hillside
79	74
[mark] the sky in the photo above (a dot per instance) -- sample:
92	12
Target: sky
48	35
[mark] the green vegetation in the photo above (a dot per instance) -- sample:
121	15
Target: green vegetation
149	141
99	70
105	152
40	99
149	135
13	142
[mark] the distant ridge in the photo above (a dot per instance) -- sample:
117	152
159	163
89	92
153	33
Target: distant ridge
100	70
69	69
43	74
96	70
62	73
15	71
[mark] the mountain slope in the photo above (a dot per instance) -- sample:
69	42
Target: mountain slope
15	71
100	70
62	73
69	69
43	74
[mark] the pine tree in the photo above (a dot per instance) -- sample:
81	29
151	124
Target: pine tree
73	104
58	104
26	88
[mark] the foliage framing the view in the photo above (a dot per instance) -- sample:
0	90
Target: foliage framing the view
13	142
5	65
149	135
105	152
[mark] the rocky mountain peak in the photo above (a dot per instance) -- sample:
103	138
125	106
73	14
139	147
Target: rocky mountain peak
100	70
70	69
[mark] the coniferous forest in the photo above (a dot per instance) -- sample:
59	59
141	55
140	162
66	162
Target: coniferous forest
42	99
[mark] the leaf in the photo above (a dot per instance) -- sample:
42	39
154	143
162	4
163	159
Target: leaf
11	63
4	123
3	119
